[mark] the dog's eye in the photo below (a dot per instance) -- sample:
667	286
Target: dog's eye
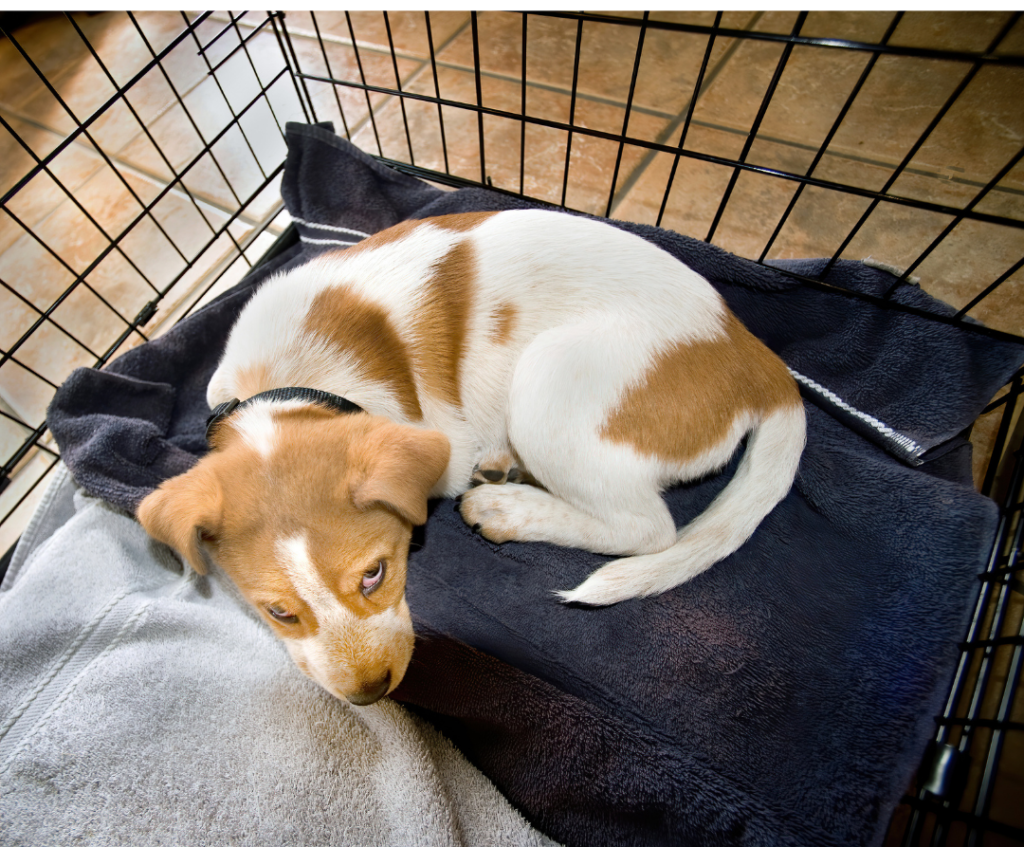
279	614
373	577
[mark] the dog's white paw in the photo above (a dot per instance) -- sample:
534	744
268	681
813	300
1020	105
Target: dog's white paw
503	513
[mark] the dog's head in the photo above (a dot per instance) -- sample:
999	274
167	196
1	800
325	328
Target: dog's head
310	513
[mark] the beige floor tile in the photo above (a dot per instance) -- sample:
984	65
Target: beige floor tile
81	82
1013	44
1006	199
699	186
965	31
180	142
343	63
408	29
868	27
592	160
12	433
979	135
155	256
821	220
41	194
668	70
807	99
958	270
695	192
898	101
161	28
38	275
124	52
79	243
51	44
205	271
774	21
185	132
52	354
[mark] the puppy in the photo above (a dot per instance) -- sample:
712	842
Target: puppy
476	348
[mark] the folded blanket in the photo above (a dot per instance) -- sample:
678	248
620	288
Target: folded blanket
141	705
783	697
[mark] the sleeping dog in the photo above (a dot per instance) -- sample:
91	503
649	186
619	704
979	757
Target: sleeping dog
573	369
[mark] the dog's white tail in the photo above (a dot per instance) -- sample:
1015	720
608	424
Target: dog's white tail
763	478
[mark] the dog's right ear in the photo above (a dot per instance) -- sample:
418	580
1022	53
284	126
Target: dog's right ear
185	513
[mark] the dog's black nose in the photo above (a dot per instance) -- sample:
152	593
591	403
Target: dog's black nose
370	692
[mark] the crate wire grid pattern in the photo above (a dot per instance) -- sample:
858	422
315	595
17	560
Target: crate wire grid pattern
142	160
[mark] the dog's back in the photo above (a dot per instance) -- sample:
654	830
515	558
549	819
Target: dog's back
601	363
425	322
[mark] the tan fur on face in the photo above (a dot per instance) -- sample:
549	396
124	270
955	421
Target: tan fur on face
350	486
692	393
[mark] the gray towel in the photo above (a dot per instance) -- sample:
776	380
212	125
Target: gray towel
140	704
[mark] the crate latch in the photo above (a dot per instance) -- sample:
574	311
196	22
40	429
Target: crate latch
943	771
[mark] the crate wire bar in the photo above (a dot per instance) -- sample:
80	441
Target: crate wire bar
182	115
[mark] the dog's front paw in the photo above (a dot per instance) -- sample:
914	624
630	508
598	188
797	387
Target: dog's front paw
495	511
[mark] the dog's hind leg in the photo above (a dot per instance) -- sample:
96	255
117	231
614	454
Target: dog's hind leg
599	496
516	512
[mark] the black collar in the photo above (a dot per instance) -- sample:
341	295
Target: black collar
308	395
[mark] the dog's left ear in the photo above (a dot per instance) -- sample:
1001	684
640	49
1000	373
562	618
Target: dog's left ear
402	465
185	513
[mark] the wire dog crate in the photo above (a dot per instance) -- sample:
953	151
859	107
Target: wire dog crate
142	155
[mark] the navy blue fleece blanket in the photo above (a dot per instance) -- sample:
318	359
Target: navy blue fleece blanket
783	697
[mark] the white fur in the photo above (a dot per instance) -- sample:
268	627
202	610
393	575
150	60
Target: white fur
257	426
343	641
594	307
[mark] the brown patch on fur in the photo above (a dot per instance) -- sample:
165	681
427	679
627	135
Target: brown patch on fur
253	379
689	398
463	222
505	317
363	330
442	320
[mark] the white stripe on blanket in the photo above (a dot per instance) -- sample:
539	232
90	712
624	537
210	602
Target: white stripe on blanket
330	228
905	442
306	240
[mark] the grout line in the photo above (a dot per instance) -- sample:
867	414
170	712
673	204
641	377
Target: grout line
422	62
634	176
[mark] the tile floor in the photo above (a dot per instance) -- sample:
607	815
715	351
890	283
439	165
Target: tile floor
170	186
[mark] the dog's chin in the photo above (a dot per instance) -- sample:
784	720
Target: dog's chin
363	693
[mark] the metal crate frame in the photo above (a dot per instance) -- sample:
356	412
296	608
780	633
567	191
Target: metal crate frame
952	801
